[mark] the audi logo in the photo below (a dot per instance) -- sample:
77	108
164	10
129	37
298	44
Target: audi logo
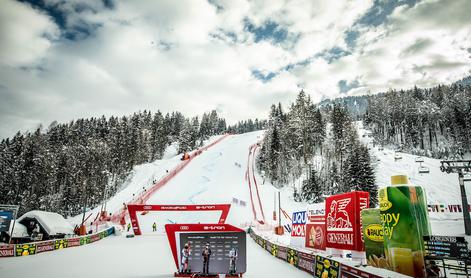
184	228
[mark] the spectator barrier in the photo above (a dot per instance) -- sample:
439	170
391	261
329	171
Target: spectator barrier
318	266
32	248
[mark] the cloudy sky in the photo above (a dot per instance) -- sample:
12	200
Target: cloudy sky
65	59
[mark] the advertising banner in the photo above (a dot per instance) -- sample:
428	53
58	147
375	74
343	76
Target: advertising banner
282	253
315	227
73	242
292	257
274	250
25	249
298	228
85	240
221	239
110	231
45	246
343	220
446	247
61	243
306	262
351	272
373	237
6	217
134	208
268	246
405	221
326	268
95	237
7	250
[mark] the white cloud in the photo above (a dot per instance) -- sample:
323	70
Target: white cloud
164	55
25	35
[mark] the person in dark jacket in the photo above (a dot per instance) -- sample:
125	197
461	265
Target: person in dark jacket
206	256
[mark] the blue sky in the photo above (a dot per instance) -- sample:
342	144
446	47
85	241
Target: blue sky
61	60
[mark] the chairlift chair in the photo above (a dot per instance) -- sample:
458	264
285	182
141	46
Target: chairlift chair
419	159
424	170
397	156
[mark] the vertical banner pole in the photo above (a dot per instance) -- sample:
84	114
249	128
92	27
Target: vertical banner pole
279	209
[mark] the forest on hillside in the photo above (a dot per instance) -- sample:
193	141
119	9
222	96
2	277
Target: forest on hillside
326	144
85	161
434	122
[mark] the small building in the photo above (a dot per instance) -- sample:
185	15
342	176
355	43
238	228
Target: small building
44	225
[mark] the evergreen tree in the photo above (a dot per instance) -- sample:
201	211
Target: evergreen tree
312	190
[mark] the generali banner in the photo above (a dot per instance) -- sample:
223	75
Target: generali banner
315	226
298	232
343	224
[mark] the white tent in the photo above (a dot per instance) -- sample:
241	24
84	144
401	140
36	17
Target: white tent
52	223
20	230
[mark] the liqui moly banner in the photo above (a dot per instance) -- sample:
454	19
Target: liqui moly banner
343	224
315	227
298	231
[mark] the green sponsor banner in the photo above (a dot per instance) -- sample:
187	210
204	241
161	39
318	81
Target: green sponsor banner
61	244
405	221
293	257
326	268
84	240
274	250
25	249
263	243
373	237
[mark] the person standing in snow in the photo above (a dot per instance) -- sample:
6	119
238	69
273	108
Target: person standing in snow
154	227
206	256
185	254
232	261
129	226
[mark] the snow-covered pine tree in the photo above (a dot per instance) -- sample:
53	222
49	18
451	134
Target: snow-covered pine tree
311	191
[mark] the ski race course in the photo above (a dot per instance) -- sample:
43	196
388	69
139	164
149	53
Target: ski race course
214	176
221	174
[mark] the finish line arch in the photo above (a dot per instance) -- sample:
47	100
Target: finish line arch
134	208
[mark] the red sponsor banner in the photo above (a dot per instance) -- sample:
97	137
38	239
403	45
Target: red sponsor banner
95	237
306	262
73	242
315	227
343	226
7	250
316	236
45	246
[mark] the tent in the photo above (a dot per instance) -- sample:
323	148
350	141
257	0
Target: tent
20	234
52	225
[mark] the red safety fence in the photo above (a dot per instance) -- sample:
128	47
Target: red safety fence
142	199
252	150
247	177
255	181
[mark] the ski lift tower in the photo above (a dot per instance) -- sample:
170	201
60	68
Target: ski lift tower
460	167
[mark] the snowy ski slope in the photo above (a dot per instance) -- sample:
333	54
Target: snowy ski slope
218	175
